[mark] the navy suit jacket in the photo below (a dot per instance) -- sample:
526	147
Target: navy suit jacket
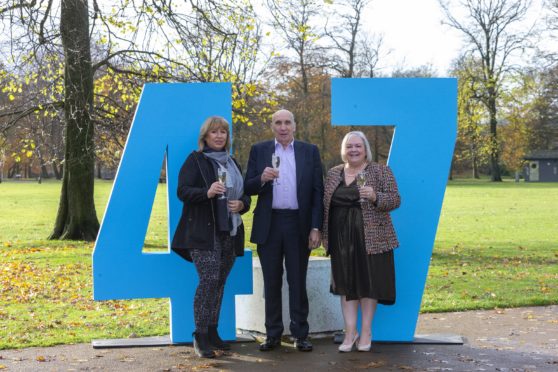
309	181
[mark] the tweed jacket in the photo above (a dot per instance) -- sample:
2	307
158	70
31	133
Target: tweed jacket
379	234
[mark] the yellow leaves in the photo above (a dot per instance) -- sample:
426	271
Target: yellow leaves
22	282
11	97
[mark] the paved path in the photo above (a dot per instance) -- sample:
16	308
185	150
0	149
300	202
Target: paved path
523	339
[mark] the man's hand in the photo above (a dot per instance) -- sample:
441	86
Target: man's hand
269	174
314	239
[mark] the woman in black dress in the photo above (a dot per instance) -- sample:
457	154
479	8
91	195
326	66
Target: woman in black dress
359	236
210	231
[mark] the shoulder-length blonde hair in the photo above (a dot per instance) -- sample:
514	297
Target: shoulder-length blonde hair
212	123
360	135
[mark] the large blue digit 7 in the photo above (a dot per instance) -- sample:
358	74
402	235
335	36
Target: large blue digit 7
167	119
424	113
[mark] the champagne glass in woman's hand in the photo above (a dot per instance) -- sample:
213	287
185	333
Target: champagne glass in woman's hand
222	175
361	181
275	161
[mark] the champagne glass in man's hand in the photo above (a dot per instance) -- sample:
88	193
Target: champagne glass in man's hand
275	161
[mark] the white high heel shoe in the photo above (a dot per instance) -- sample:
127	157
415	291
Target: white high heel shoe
345	348
365	347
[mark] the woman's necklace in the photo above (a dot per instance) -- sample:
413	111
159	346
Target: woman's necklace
352	172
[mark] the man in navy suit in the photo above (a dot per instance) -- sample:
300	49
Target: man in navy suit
287	222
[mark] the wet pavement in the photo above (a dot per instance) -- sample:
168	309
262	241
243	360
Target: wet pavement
522	339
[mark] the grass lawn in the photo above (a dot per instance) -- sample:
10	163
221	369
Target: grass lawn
497	246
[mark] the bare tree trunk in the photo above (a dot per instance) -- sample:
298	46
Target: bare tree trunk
450	176
475	167
495	175
56	168
376	146
77	219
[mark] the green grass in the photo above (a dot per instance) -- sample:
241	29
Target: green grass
496	247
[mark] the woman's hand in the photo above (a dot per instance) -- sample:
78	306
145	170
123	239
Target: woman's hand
235	206
367	192
216	188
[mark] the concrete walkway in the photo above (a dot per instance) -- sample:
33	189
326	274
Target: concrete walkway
523	339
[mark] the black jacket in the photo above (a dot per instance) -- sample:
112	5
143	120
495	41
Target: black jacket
309	189
197	226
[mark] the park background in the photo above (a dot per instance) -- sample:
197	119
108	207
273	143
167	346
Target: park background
72	76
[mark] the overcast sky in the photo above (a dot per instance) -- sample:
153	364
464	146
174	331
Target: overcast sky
413	32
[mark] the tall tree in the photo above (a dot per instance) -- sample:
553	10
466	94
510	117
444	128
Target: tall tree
344	34
470	148
552	26
294	22
489	30
145	39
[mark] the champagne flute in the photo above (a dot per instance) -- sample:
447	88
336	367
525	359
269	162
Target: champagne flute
222	175
361	181
275	161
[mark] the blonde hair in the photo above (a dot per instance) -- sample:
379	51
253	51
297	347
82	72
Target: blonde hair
212	123
360	135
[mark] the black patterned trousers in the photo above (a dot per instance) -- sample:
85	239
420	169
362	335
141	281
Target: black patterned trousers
213	267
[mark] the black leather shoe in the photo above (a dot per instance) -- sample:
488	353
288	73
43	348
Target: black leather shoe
303	344
215	341
270	343
201	345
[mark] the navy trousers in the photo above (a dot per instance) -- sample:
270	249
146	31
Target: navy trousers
285	243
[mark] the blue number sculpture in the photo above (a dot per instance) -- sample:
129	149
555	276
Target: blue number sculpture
167	121
424	113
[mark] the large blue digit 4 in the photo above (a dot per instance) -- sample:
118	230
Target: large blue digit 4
424	113
167	119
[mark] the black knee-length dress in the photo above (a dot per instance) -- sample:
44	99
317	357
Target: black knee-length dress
356	274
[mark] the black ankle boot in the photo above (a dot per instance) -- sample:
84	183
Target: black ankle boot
201	345
214	339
